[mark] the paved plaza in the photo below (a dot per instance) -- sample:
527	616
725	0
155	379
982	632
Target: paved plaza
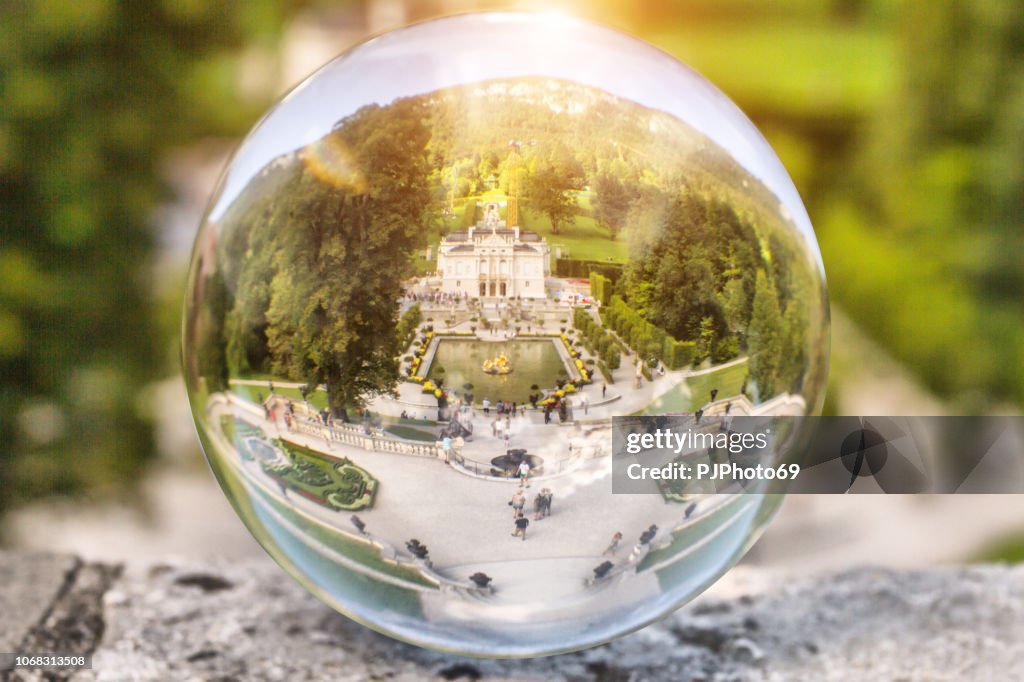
457	508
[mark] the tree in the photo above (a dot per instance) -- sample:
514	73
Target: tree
794	354
339	259
549	194
687	253
764	336
611	203
733	301
706	339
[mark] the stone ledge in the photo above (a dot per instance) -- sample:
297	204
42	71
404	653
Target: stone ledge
247	621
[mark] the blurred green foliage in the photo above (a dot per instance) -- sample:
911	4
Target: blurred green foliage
94	91
901	123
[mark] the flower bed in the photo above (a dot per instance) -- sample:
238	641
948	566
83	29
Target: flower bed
335	484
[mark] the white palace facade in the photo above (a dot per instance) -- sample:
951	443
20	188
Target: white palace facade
492	260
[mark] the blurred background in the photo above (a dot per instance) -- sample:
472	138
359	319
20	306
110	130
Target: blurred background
901	123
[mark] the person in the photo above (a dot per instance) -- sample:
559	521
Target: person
405	414
517	503
614	546
521	523
487	407
548	498
524	474
604	390
538	506
586	403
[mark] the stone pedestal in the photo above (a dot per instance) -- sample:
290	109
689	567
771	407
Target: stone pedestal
250	621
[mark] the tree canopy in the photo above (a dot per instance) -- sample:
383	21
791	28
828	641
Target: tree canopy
326	260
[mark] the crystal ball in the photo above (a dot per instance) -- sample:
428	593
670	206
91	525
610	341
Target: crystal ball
429	279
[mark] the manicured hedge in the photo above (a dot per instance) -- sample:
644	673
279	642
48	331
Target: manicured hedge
581	269
596	338
600	287
678	354
642	336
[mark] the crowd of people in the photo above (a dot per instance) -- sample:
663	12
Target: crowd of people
435	297
541	509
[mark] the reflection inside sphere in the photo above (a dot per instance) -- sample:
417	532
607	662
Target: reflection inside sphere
430	278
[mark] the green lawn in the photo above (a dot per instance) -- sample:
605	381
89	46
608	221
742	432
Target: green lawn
410	433
696	391
317	399
583	239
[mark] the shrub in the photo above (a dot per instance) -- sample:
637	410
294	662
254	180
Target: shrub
678	354
726	349
600	287
612	358
608	317
653	350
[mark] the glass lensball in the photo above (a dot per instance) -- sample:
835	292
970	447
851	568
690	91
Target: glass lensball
430	277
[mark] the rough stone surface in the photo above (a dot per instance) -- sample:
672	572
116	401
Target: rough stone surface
28	585
249	621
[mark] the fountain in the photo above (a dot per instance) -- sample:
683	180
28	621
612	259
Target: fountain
499	365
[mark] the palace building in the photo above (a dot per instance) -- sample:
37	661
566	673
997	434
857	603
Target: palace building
493	260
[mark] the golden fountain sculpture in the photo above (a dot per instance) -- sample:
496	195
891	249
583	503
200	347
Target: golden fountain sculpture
498	365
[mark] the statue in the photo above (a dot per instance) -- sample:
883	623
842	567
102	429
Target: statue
498	365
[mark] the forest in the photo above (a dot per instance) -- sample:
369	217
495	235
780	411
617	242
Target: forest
313	254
